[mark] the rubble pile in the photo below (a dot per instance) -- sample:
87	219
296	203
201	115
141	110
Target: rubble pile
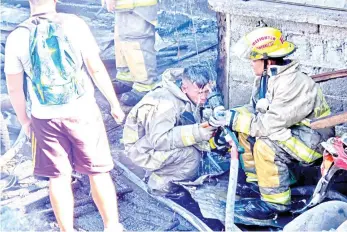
24	202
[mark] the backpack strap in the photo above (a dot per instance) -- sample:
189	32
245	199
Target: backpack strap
29	25
33	21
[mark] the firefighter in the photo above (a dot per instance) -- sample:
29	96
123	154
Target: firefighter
134	37
164	133
274	128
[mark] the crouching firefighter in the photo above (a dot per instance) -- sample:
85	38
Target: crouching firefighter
274	128
164	133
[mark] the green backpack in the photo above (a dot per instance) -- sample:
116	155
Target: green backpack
56	66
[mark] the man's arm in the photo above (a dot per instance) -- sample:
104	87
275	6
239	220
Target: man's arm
15	77
17	97
99	74
97	70
163	134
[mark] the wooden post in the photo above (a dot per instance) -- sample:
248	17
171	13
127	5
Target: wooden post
329	121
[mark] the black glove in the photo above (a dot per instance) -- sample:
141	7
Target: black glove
218	143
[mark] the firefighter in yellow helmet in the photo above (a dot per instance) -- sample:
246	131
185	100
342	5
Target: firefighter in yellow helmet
134	36
274	128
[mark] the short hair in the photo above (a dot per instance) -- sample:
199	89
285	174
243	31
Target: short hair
280	61
197	74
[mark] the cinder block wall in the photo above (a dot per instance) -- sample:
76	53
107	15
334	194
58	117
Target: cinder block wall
198	8
320	35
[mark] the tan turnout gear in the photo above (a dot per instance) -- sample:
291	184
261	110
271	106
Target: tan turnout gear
279	131
130	4
155	138
292	97
135	23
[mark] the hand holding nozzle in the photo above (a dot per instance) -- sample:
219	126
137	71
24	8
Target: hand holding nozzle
215	101
206	131
221	118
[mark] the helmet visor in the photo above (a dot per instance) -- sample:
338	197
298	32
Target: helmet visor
242	49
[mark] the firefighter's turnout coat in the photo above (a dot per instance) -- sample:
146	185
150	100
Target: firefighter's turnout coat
159	138
275	130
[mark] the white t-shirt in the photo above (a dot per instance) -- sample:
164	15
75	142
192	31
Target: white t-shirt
17	60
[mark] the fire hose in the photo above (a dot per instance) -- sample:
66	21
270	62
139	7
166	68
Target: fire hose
229	138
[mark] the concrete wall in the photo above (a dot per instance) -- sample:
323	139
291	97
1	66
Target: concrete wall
320	35
191	7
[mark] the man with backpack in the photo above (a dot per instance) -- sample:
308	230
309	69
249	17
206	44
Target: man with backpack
134	37
57	52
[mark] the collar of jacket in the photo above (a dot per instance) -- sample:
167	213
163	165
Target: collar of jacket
275	70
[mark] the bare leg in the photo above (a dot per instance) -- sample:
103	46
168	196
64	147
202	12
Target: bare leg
105	198
62	201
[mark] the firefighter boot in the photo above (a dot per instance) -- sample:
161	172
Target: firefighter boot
251	208
132	98
174	194
248	190
121	86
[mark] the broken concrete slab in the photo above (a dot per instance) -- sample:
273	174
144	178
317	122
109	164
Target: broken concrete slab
342	227
326	216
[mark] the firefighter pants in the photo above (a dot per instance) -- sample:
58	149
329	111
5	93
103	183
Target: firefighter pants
267	161
134	47
167	166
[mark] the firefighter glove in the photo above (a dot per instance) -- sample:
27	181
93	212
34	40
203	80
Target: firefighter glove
220	117
206	132
218	143
238	119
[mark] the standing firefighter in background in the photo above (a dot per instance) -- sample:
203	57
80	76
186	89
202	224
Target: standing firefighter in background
164	133
274	127
134	36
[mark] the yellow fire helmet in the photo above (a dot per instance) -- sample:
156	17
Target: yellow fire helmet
263	43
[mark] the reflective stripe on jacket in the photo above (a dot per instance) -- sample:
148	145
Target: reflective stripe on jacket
293	98
130	4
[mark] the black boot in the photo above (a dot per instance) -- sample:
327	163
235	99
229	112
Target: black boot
248	190
176	194
121	86
132	98
250	208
